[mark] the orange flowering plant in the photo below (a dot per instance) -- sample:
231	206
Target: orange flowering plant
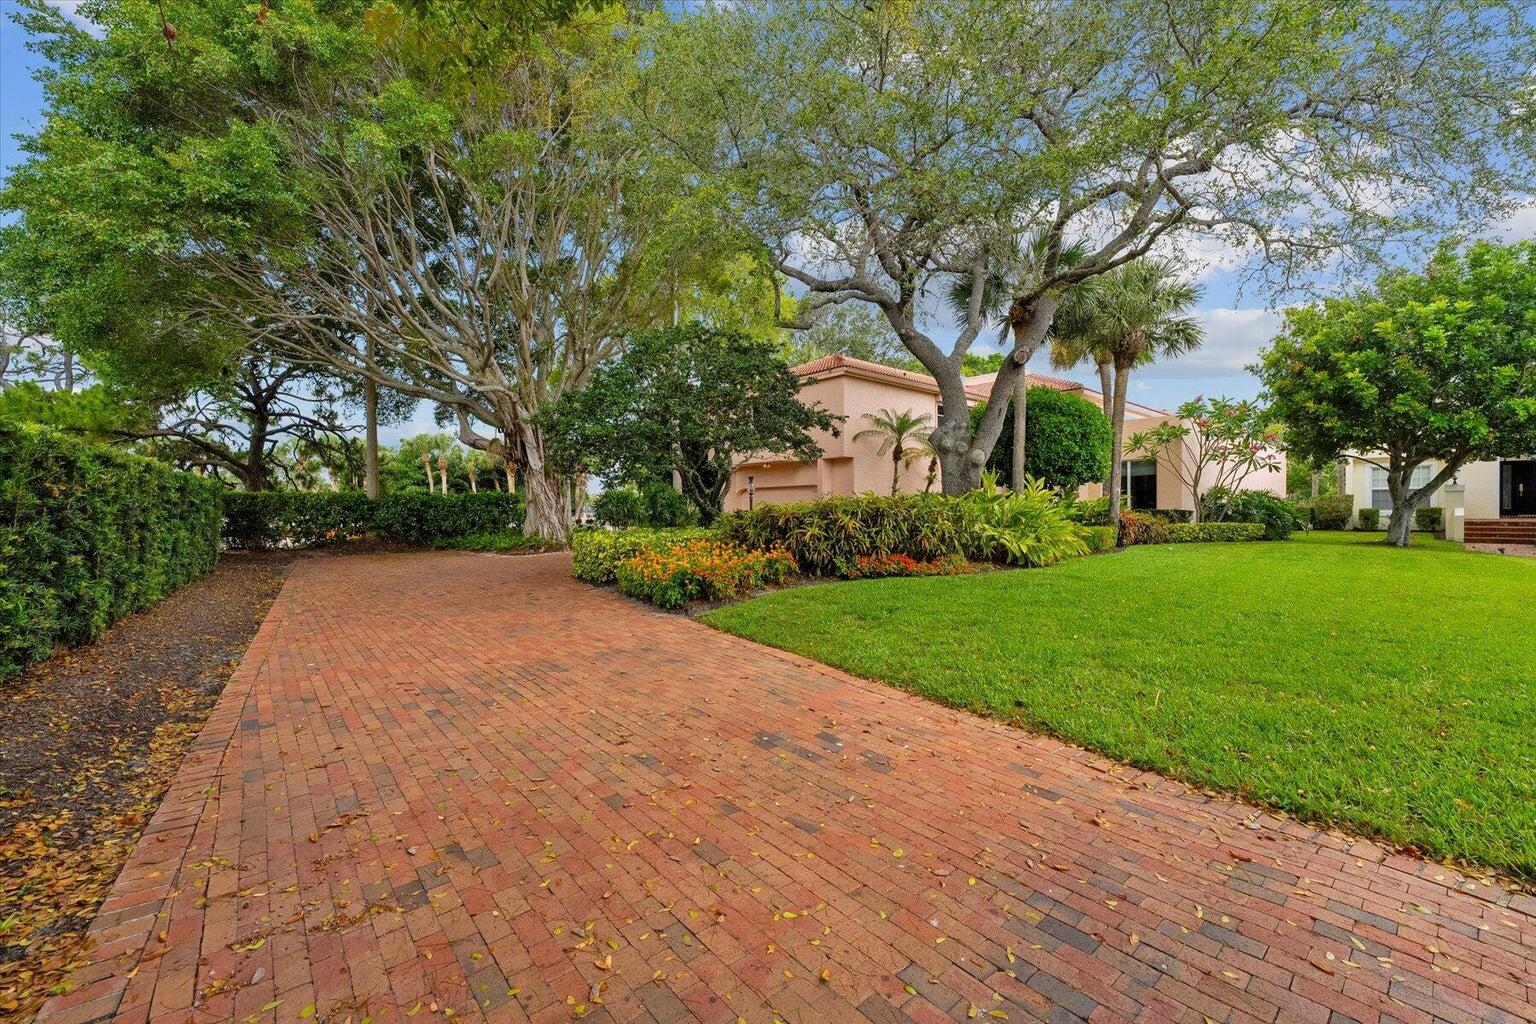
701	570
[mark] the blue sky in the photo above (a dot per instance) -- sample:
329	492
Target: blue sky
1237	323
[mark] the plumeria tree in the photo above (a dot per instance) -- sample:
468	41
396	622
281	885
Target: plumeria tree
1212	443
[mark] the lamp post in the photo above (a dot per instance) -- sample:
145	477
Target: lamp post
750	491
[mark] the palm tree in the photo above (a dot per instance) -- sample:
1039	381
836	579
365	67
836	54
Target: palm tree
1131	316
925	449
1072	344
899	434
1018	265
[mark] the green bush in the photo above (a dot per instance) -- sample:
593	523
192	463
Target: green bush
596	554
1099	538
1332	511
1069	440
1169	515
1370	518
262	519
1031	527
656	505
1280	517
1184	533
89	534
1023	527
620	507
1430	518
1089	512
499	540
423	518
826	533
667	508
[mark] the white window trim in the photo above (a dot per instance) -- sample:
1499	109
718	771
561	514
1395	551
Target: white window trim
1423	473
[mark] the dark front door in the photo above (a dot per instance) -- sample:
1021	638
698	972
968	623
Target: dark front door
1517	488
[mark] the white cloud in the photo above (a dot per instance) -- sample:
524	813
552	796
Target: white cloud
1518	226
1233	338
71	10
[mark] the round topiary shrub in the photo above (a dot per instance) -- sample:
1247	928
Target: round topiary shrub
1067	440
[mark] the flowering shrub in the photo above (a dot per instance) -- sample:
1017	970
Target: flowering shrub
700	570
596	554
866	567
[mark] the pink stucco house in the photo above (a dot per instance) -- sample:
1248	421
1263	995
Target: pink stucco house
854	388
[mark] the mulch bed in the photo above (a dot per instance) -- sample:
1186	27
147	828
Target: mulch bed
88	743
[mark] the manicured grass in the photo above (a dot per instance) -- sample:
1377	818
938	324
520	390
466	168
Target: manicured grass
1391	692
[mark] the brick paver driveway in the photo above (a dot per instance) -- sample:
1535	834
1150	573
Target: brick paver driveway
466	785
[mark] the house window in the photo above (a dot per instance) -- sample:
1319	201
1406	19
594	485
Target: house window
1138	481
1381	498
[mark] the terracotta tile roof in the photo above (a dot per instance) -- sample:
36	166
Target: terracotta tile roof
1036	380
1134	410
977	389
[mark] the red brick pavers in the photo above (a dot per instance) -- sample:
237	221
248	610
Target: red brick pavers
465	785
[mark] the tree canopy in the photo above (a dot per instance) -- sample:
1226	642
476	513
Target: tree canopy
455	208
1438	365
876	152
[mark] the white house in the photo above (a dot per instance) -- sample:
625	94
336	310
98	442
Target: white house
1489	505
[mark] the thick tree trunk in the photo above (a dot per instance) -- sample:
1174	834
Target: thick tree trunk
1020	409
962	453
895	469
1317	484
1400	526
549	502
1106	399
254	474
426	463
370	438
442	469
1116	442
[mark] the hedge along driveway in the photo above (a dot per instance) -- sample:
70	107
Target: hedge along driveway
1387	691
89	534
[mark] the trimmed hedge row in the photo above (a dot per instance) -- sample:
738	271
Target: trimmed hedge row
596	554
824	534
88	535
261	519
1185	533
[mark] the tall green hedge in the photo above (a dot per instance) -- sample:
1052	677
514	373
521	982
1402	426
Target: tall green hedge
89	534
827	533
260	519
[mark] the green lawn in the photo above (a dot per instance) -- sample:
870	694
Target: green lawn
1392	692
